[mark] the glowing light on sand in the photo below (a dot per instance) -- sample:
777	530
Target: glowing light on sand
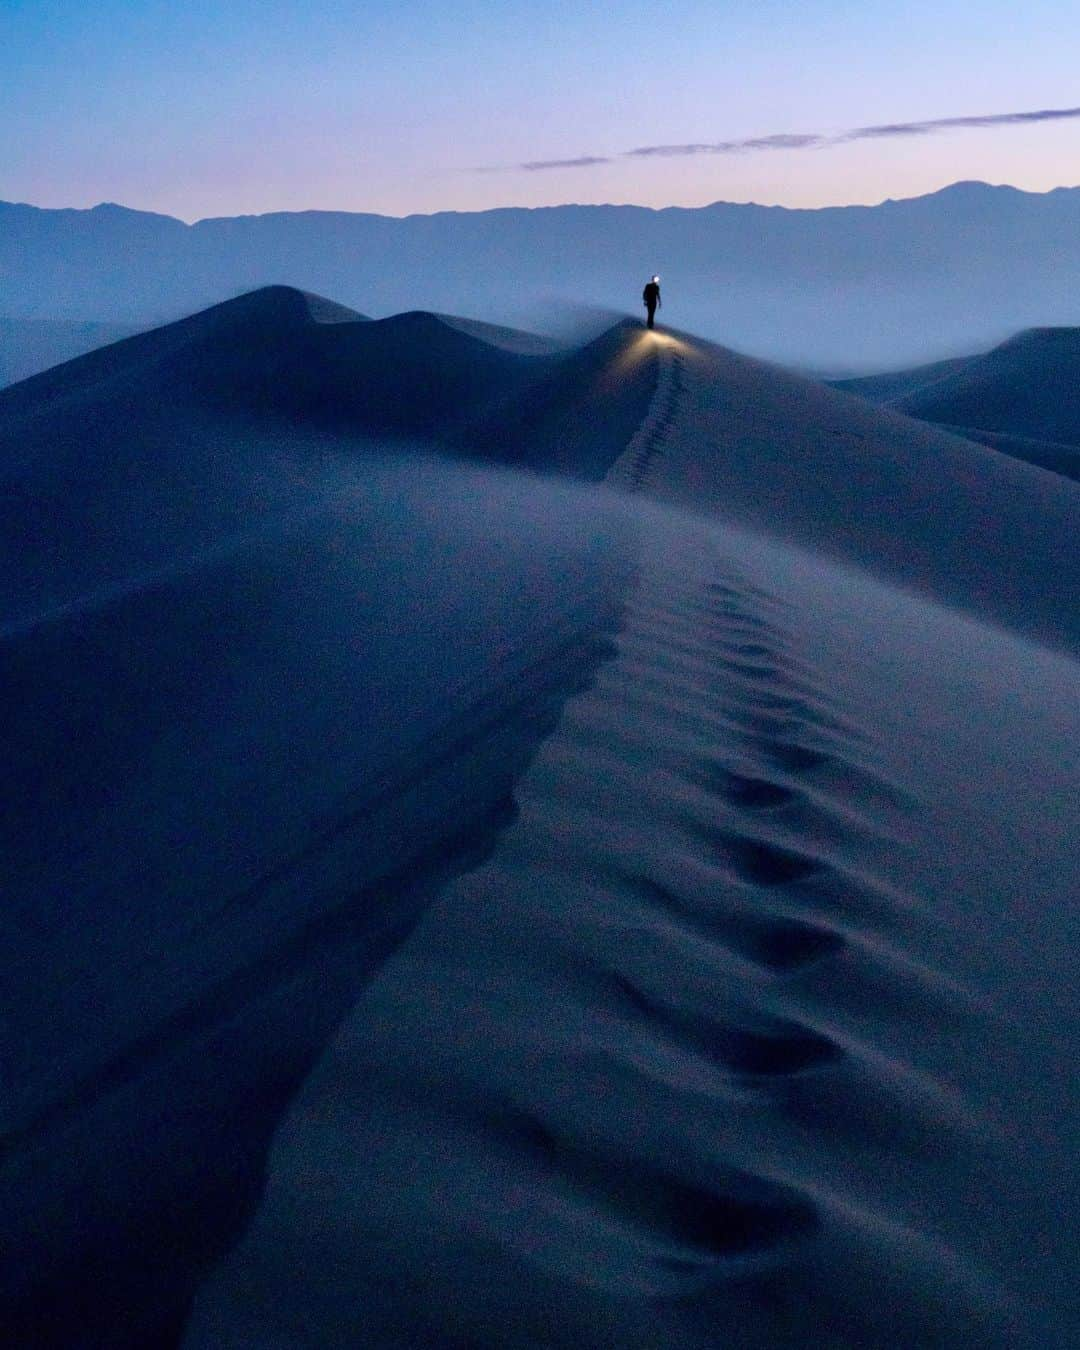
661	339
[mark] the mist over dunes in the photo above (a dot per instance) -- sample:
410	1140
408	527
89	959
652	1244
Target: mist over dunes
31	345
837	289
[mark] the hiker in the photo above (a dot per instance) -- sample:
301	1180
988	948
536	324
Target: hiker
651	296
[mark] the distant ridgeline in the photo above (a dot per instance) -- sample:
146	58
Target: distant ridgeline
837	290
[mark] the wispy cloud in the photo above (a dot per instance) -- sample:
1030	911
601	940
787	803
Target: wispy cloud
783	141
807	140
953	123
582	162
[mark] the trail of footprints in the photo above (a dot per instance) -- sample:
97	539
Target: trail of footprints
714	800
778	736
645	451
786	770
791	777
780	787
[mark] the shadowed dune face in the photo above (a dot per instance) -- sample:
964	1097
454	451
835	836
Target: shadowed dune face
28	346
160	444
278	355
1062	459
457	907
577	419
280	360
1029	386
240	783
1021	398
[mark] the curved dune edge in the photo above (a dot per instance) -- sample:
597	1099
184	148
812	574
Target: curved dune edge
712	1049
730	1040
1025	387
209	908
902	501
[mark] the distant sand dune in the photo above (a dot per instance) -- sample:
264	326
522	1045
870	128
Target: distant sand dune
1029	386
1021	398
896	384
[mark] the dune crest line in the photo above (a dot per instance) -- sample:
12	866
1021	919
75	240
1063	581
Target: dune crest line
631	471
646	1001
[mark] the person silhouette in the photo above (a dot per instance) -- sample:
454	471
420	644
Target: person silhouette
651	297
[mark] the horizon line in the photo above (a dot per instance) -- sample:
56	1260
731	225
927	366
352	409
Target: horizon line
555	206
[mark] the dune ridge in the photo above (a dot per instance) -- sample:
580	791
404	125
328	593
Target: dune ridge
684	1006
1019	398
527	911
1028	386
682	1029
893	384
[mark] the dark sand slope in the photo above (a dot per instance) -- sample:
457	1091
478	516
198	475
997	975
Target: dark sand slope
1063	459
238	785
265	689
1021	398
577	418
756	1027
143	453
1029	386
510	339
278	355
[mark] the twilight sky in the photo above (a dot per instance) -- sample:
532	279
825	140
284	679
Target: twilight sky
223	107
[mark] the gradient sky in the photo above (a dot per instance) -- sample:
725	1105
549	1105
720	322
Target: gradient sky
223	107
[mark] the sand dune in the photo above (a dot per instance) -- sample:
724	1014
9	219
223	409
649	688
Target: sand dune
238	783
485	909
746	1033
134	456
1021	398
512	339
907	502
1063	459
1029	386
278	353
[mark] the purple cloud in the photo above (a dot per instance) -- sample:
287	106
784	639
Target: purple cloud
809	140
950	123
582	162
